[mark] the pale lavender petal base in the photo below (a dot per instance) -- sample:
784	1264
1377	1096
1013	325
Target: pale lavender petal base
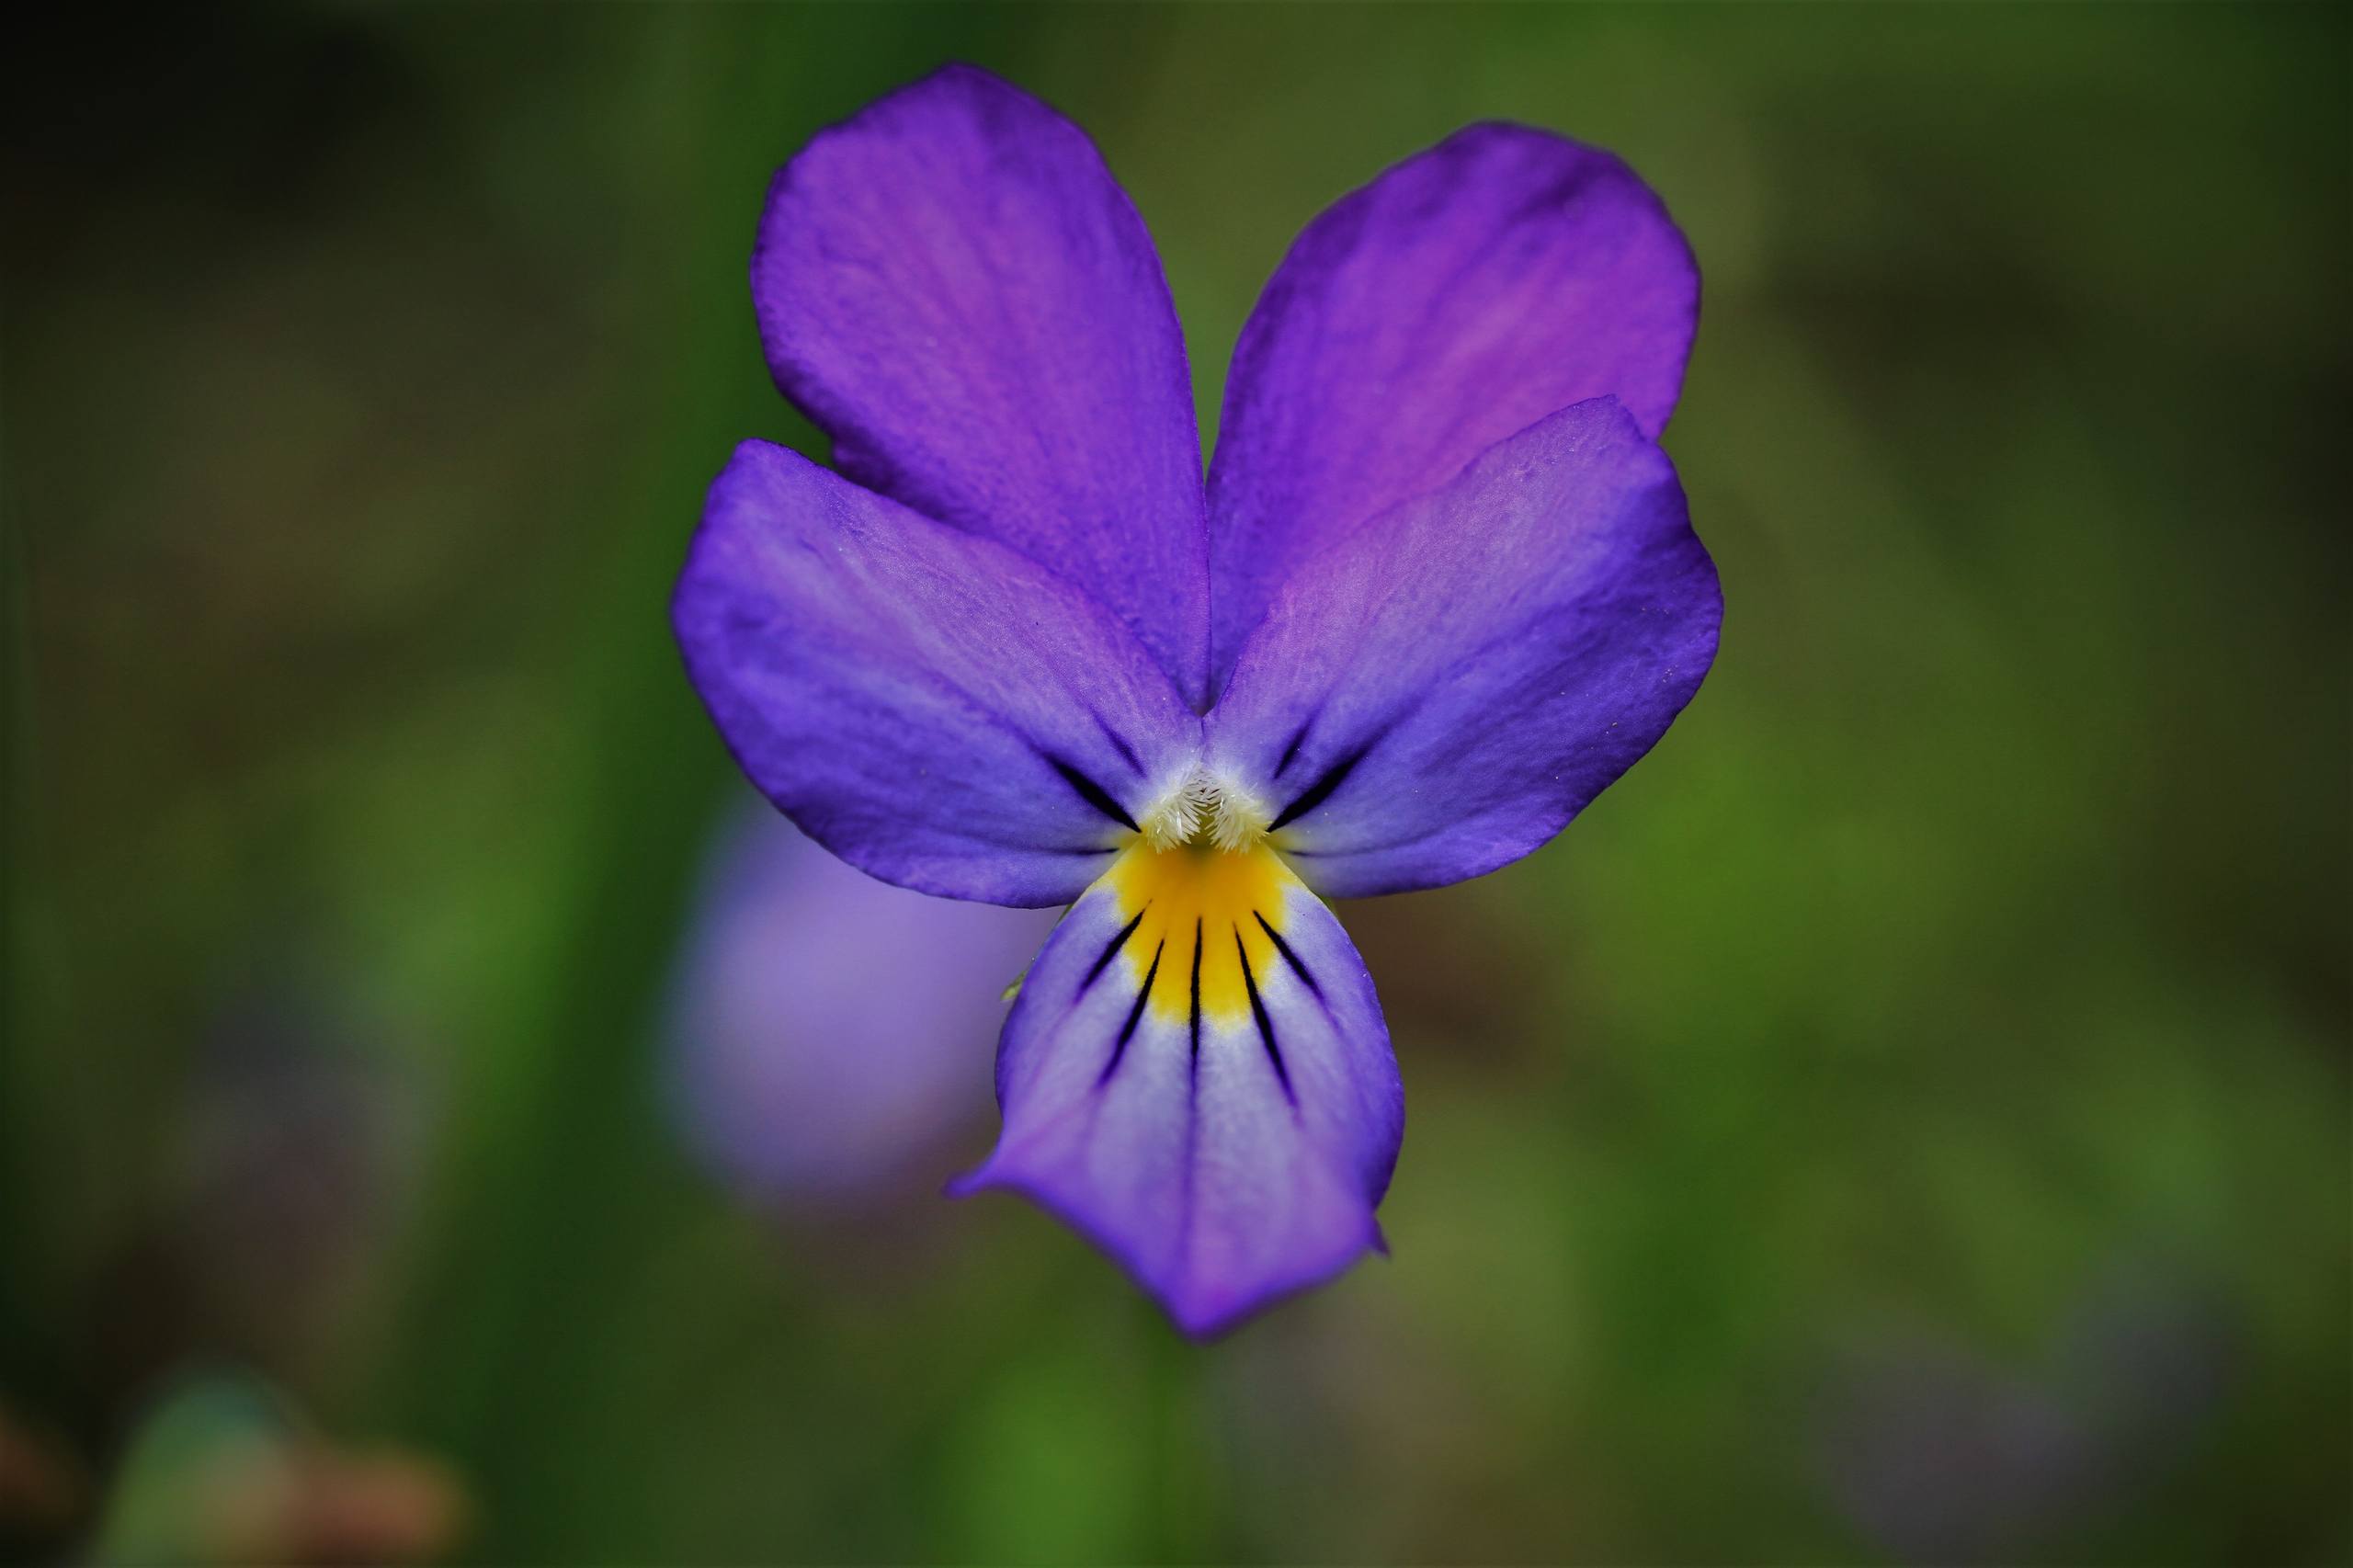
933	708
1440	692
1465	294
1216	1186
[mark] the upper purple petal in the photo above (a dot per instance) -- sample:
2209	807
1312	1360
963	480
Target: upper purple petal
930	706
1463	295
953	285
1438	693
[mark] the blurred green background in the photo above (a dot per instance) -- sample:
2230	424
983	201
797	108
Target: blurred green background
1907	1119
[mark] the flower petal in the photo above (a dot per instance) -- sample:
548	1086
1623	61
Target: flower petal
928	704
1441	691
1196	1077
953	286
1465	294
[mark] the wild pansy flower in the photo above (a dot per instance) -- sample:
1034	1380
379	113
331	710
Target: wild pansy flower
1438	590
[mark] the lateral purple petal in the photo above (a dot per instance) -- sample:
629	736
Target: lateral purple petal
1466	293
934	708
953	286
1441	691
1225	1157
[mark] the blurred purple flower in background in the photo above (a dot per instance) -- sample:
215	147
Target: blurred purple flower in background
1937	1452
280	1190
815	1063
1438	591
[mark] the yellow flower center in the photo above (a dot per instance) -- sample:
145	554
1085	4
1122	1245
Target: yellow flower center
1208	923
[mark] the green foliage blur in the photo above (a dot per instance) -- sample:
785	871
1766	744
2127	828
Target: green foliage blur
1905	1120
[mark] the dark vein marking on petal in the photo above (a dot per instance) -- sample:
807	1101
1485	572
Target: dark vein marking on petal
1135	1015
1289	957
1197	992
1291	751
1192	1154
1094	794
1266	1023
1110	951
1315	794
1119	742
1192	1115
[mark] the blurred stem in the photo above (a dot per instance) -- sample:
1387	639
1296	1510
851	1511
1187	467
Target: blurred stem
1186	1471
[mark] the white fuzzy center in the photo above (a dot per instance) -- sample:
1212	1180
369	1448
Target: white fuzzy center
1206	809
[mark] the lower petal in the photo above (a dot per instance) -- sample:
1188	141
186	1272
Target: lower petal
1196	1077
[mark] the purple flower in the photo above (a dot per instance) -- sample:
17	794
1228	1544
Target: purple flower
813	1062
1438	590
